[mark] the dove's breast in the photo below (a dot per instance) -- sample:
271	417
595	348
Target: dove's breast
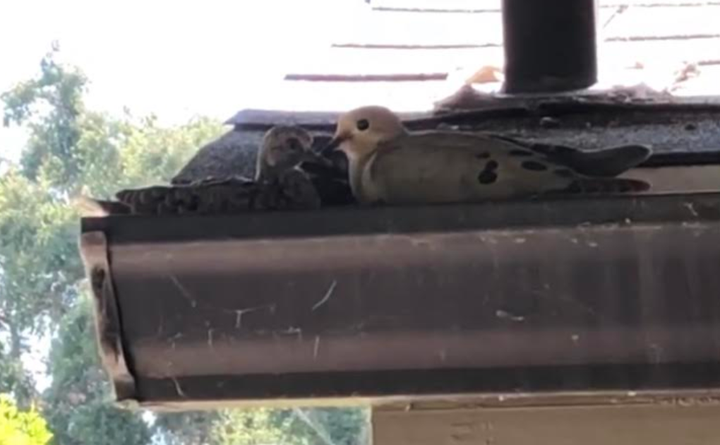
463	169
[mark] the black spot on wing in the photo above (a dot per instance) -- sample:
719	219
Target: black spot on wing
488	175
534	166
294	144
521	153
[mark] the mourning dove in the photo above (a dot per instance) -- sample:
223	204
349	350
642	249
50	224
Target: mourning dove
389	164
235	154
330	177
279	184
283	150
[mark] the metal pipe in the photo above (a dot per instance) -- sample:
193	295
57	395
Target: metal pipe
550	46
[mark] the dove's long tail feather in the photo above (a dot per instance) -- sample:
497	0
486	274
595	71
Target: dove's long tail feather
605	163
607	186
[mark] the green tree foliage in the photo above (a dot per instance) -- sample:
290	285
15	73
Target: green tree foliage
42	289
249	427
325	426
51	106
38	256
21	428
15	380
265	426
70	149
152	153
38	270
78	402
188	428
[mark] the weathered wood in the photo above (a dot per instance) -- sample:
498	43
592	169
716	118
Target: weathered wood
693	422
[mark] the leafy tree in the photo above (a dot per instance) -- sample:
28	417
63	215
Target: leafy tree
15	380
78	402
73	149
38	255
39	269
70	149
151	153
21	428
250	427
326	426
50	105
316	426
189	428
39	263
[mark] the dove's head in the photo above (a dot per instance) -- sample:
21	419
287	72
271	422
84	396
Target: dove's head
284	147
359	131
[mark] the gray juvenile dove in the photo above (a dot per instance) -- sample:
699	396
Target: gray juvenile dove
283	150
389	164
279	184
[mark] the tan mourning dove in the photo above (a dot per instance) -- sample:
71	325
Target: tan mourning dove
389	164
279	184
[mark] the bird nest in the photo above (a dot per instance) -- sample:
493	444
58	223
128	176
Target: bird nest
290	175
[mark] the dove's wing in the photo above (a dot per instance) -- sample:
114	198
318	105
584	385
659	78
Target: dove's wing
603	163
438	167
331	179
299	191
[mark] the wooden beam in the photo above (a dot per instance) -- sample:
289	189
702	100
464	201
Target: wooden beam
688	422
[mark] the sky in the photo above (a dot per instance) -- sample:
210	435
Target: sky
176	58
180	58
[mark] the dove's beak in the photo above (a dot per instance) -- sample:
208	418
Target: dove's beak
334	144
315	158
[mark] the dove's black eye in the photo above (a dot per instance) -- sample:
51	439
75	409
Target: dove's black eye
363	124
294	144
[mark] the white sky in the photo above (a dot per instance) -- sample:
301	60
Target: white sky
179	58
174	58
